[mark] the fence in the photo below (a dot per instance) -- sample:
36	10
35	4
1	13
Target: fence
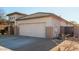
76	31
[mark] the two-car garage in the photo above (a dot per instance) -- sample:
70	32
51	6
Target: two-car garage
32	29
35	25
43	25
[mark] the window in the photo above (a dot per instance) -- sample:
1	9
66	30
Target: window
9	17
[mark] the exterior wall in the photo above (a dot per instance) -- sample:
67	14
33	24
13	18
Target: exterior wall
65	24
46	20
14	17
56	26
52	25
57	23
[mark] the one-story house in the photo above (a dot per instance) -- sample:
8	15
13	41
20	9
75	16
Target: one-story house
43	25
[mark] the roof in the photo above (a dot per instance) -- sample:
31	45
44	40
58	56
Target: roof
16	13
36	15
42	14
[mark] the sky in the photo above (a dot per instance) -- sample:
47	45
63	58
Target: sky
68	13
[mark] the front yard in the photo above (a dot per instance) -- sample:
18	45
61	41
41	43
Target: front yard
71	44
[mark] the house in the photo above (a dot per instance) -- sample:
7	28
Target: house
41	24
3	27
12	21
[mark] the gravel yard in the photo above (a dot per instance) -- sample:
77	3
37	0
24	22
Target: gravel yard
67	45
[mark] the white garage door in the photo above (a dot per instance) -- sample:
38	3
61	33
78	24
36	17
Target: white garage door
32	29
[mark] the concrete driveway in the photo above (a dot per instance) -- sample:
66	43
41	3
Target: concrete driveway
21	43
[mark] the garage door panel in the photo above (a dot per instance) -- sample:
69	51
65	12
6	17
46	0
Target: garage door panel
35	30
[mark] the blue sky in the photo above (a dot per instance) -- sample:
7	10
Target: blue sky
69	13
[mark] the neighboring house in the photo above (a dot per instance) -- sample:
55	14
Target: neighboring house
44	25
3	27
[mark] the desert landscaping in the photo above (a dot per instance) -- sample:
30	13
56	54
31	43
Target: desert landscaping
69	44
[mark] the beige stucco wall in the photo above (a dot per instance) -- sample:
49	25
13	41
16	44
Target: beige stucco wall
49	22
57	24
15	16
46	20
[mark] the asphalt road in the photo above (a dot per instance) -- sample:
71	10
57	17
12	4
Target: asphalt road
21	43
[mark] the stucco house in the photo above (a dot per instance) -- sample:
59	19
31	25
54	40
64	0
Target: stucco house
12	19
41	24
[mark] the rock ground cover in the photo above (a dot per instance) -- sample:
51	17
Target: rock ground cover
71	44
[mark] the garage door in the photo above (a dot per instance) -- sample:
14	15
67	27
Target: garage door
32	29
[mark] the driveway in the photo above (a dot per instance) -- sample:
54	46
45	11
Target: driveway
22	43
